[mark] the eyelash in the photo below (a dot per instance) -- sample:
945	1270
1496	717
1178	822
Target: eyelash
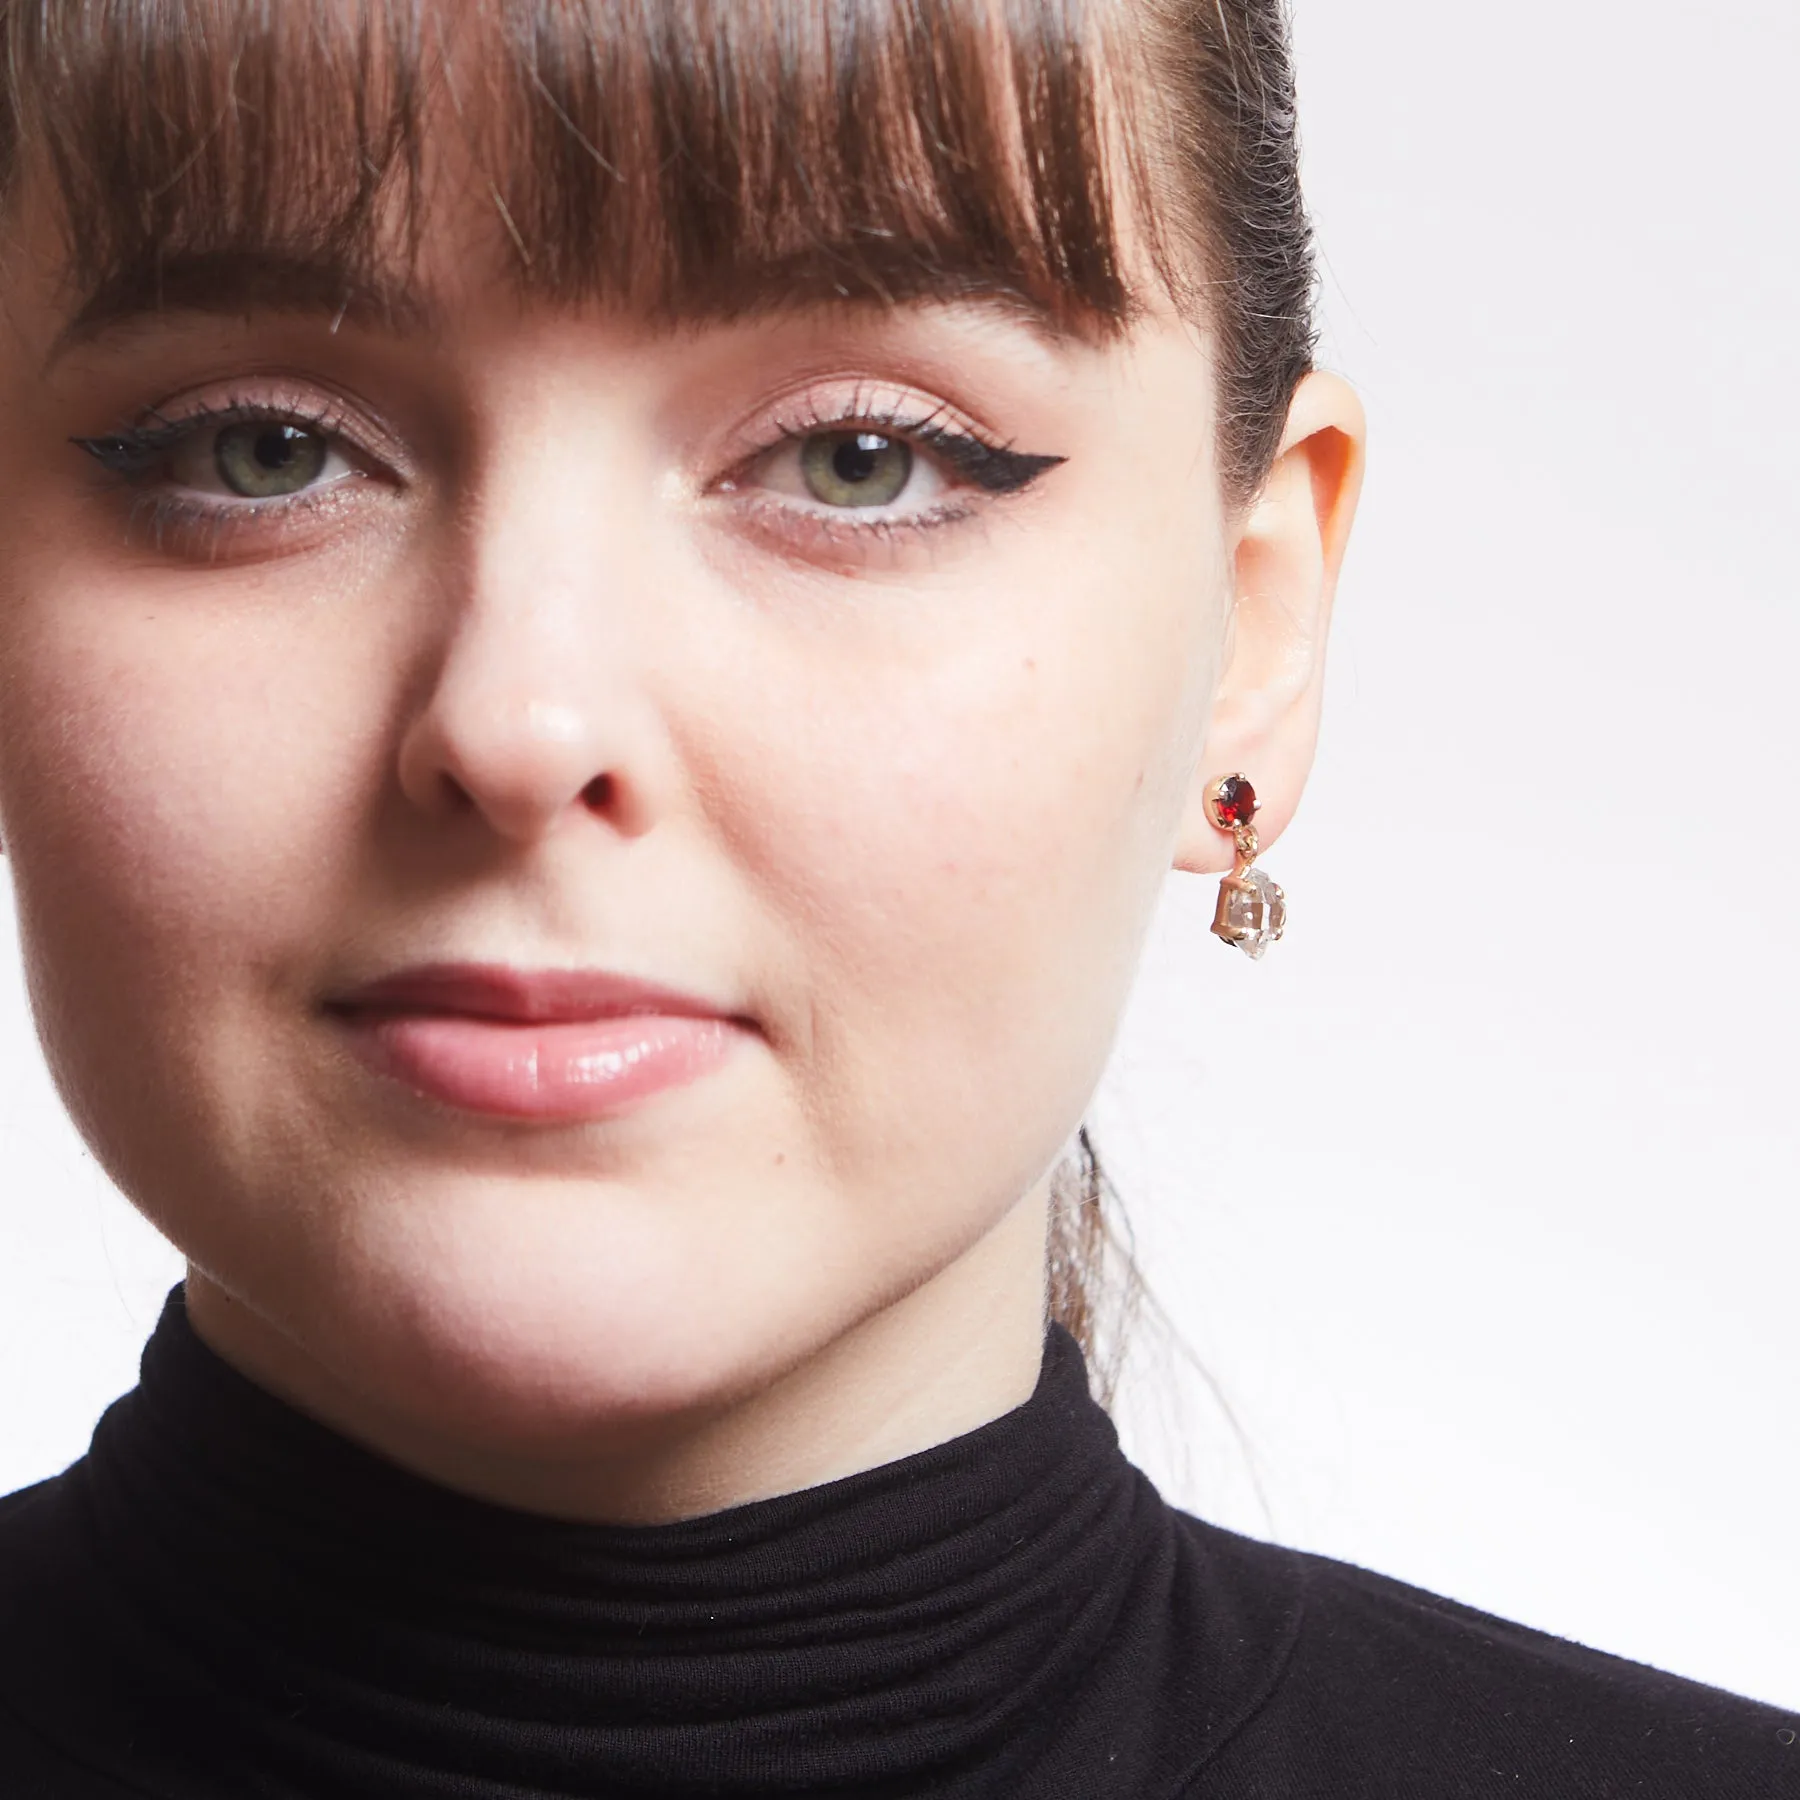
133	453
995	468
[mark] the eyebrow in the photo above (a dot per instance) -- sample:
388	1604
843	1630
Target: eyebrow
242	283
245	282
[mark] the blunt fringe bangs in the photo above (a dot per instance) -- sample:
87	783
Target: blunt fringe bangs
689	158
694	159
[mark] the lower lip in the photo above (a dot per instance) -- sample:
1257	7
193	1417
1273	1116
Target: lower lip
575	1069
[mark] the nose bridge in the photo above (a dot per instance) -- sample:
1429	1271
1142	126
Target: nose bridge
538	702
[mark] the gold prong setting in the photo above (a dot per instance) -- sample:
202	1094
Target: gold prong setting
1252	910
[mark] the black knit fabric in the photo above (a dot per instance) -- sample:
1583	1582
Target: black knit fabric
224	1600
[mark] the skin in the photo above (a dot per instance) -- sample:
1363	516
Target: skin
902	801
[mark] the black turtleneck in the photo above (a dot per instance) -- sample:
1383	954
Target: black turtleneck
226	1601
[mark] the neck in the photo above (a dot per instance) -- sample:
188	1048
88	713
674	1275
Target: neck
945	1359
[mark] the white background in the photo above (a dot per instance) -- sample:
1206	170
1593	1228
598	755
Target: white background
1477	1199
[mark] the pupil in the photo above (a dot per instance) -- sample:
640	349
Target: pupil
857	459
276	449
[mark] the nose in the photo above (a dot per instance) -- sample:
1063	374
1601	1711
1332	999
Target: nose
534	707
524	763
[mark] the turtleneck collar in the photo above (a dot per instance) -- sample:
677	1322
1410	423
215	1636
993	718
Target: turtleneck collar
332	1625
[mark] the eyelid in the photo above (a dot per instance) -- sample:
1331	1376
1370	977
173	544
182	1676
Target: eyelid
973	455
197	524
136	449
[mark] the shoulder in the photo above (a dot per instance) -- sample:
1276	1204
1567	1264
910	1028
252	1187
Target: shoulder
30	1520
27	1518
33	1554
31	1770
1387	1690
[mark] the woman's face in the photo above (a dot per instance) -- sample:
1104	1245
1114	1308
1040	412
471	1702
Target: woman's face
546	641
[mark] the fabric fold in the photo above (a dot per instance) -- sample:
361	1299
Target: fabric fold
332	1623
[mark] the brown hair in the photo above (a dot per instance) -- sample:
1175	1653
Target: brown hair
699	159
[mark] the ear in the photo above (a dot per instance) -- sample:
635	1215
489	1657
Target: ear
1265	719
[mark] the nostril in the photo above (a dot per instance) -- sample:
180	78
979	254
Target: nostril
599	793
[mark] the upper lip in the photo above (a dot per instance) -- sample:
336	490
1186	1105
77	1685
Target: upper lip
527	996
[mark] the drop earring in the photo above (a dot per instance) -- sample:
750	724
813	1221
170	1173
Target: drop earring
1252	910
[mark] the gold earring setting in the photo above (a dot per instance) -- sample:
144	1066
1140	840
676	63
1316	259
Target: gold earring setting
1252	910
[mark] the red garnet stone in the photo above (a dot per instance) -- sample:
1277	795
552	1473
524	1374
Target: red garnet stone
1235	802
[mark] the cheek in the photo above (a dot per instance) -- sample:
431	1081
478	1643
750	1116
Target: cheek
967	846
167	810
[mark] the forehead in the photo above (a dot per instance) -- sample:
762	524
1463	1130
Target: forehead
689	162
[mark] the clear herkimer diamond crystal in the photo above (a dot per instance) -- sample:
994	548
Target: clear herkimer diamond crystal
1252	912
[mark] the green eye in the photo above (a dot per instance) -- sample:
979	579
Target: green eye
855	468
266	460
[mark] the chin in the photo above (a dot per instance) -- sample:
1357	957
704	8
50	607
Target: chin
561	1323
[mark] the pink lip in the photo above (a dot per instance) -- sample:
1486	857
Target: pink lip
541	1044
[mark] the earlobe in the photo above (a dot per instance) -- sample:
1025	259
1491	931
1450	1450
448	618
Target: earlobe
1289	550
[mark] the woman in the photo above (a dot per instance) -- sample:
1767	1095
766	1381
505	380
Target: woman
613	618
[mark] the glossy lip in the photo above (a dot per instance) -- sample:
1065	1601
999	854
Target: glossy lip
552	1046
